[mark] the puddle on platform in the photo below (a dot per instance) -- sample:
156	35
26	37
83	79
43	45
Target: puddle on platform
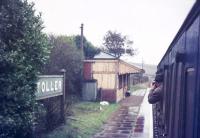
133	110
139	125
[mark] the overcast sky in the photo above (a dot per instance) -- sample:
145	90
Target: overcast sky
151	24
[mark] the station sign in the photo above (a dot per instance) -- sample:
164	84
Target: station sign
49	86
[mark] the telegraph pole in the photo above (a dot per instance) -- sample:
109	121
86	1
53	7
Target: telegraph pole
83	57
82	48
142	63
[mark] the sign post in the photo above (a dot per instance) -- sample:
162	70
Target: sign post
50	86
63	97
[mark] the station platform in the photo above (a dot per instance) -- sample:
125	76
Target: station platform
144	124
132	120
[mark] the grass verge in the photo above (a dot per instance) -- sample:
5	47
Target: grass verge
87	120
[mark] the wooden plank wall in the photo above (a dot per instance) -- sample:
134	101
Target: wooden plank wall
104	71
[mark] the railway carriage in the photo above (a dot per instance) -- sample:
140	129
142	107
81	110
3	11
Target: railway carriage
181	68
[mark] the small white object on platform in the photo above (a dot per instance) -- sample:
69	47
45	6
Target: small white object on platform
104	103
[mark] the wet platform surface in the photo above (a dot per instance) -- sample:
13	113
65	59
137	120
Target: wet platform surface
122	123
143	127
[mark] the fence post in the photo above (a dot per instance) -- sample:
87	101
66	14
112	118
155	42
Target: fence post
63	97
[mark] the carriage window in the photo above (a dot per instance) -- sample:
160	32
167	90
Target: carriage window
190	70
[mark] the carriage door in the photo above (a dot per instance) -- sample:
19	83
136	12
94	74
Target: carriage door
172	100
166	99
189	102
178	92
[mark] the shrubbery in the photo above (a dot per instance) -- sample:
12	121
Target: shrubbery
65	55
23	50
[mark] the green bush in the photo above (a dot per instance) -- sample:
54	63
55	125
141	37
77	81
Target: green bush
23	50
65	55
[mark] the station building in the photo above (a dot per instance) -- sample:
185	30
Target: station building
112	75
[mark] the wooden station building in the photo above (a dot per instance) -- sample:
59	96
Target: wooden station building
112	75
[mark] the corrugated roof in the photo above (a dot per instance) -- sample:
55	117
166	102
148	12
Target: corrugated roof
103	55
124	67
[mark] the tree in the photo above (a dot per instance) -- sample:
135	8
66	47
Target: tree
117	44
23	51
65	55
89	50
